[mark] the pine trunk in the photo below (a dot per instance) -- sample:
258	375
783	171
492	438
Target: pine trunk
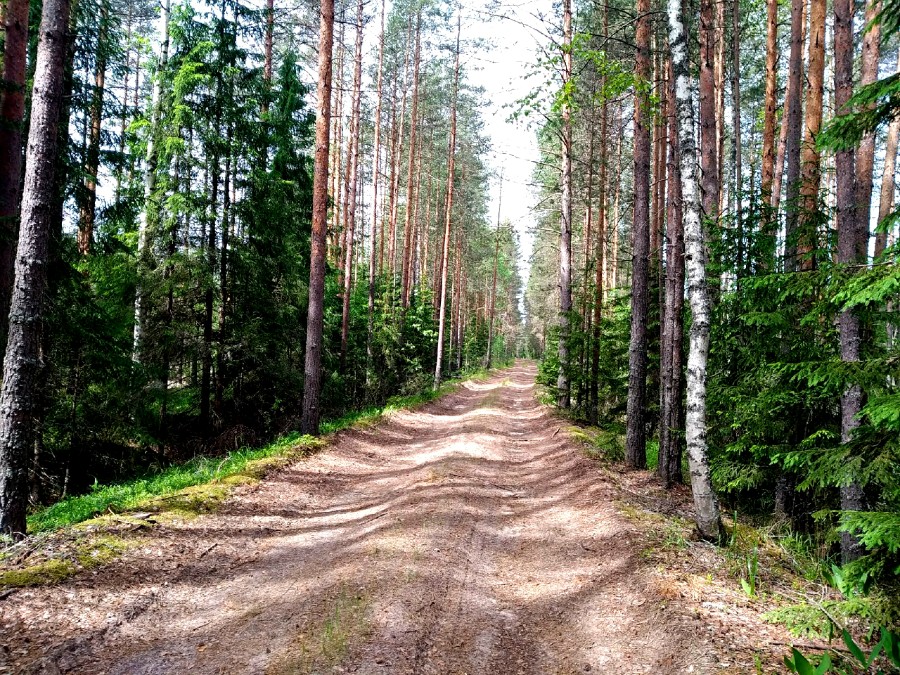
636	440
312	385
88	210
22	363
888	179
564	394
810	165
448	221
12	115
865	154
852	496
672	319
767	171
794	128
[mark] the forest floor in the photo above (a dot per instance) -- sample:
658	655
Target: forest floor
472	535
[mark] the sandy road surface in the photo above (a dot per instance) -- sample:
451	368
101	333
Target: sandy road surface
469	536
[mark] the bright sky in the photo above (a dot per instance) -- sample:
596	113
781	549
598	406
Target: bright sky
500	69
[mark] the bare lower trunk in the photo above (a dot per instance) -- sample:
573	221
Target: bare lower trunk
309	423
705	502
852	496
636	441
22	364
673	327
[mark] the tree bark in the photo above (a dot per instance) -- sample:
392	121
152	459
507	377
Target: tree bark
635	437
852	495
810	165
709	143
672	318
794	129
88	210
865	154
448	211
705	502
767	171
410	183
22	363
564	394
376	159
490	342
736	123
888	179
312	385
352	168
12	115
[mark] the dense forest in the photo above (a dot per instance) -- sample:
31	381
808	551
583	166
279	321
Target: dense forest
714	277
157	172
223	222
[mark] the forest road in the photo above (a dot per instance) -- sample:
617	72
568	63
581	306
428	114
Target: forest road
471	535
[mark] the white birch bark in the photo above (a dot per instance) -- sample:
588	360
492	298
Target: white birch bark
705	503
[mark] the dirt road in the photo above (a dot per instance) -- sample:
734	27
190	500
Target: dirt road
469	536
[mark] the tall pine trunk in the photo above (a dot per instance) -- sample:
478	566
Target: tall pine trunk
22	363
635	439
312	385
563	385
810	165
767	170
448	219
888	178
793	120
852	496
88	210
12	115
672	317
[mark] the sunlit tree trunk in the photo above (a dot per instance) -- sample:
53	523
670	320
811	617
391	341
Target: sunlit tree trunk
312	385
376	163
636	441
672	320
793	120
865	154
888	178
88	210
448	210
22	363
564	394
352	167
810	165
410	183
767	171
736	124
705	502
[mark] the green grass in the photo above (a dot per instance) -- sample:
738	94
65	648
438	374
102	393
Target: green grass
171	488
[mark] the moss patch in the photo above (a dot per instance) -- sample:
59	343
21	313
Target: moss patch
85	552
